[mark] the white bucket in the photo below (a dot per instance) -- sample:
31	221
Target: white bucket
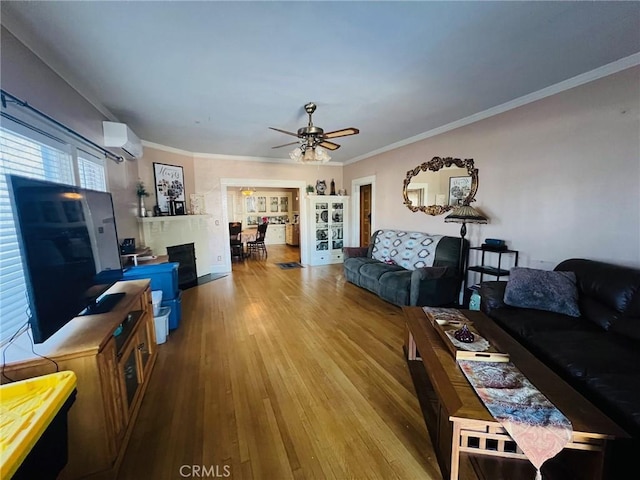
162	324
156	300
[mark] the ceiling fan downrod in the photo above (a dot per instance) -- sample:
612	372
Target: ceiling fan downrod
311	133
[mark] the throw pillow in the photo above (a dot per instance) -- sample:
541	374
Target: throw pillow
542	290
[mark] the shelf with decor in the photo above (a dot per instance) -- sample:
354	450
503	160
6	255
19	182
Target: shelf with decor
498	271
483	269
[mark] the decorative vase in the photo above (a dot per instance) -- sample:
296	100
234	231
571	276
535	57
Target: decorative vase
142	210
464	335
333	187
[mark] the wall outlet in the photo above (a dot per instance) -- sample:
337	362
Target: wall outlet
219	258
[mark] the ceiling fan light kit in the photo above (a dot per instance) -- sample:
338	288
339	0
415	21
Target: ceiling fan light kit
303	154
313	144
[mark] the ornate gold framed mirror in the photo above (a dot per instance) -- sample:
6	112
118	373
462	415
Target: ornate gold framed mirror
441	184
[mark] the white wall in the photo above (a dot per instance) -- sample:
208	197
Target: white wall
558	178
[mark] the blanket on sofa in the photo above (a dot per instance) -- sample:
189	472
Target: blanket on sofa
410	250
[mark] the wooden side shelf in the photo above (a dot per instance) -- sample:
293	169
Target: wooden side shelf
113	366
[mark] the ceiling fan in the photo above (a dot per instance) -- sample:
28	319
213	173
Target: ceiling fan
311	137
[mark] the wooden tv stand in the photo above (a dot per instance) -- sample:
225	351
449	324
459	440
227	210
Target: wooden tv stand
113	373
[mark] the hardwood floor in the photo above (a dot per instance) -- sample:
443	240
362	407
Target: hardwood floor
277	374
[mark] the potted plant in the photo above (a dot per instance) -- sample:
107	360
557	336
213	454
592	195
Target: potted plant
310	189
141	191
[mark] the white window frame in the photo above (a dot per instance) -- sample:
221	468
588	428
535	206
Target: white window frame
14	311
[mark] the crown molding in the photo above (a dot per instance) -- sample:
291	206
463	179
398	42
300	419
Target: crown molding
600	72
239	158
43	51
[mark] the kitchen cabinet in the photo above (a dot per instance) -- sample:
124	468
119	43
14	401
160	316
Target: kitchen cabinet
275	235
275	206
293	234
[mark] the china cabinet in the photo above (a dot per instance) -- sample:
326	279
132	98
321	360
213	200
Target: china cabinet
328	222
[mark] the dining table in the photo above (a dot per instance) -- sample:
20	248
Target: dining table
247	235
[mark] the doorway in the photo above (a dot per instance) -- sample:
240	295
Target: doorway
234	207
363	207
365	215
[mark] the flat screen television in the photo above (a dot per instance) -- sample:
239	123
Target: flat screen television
70	253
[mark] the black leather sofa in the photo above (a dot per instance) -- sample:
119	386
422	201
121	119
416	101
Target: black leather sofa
598	353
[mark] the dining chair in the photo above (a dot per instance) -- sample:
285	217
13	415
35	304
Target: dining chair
235	240
257	246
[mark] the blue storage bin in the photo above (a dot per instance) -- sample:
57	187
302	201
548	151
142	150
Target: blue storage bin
164	276
176	310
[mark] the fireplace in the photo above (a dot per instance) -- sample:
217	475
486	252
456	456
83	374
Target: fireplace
158	233
185	255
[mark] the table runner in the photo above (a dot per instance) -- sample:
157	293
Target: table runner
532	421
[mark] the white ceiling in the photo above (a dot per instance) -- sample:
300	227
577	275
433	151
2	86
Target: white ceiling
210	77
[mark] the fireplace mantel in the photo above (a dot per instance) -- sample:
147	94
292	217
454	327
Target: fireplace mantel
158	233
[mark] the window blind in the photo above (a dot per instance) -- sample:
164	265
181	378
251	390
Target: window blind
28	153
91	172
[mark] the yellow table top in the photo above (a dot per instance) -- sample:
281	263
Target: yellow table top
27	407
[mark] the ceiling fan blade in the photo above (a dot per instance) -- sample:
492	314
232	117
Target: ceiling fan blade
284	131
286	144
342	133
330	145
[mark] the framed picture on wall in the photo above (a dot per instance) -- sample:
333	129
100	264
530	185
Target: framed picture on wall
169	182
459	188
273	201
177	208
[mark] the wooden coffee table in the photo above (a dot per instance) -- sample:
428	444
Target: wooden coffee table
460	426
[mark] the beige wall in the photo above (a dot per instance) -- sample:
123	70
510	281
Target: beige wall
145	172
558	178
203	175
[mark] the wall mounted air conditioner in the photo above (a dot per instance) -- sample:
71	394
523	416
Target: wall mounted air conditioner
120	135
